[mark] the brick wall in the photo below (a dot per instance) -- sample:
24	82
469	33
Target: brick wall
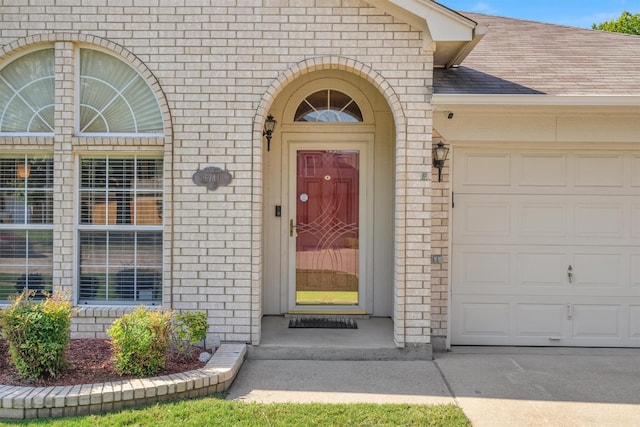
441	201
216	67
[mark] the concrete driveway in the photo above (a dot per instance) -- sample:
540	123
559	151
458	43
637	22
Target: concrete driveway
494	386
545	387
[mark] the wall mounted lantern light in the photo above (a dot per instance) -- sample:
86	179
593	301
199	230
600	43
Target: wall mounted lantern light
269	126
439	156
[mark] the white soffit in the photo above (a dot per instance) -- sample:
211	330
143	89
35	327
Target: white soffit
447	33
441	101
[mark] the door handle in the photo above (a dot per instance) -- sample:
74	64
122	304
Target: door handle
292	227
570	274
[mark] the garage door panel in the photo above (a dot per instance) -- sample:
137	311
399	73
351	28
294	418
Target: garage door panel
612	271
634	322
497	320
635	222
541	320
543	220
599	220
599	270
485	219
546	269
500	269
599	170
481	172
635	171
489	319
635	271
489	219
557	220
485	269
597	321
517	230
482	169
542	170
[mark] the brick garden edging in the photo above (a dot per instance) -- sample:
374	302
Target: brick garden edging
62	401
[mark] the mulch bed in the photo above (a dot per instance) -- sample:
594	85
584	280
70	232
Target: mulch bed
90	361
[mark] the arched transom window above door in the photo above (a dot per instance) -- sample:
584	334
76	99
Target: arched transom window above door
328	106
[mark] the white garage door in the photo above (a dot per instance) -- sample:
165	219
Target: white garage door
546	248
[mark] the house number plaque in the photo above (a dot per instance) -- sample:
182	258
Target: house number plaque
212	177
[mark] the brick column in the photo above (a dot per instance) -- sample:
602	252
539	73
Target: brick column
63	179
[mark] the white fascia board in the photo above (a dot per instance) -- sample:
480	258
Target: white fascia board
451	100
441	23
449	26
479	33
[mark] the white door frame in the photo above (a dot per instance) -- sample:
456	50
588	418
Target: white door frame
338	141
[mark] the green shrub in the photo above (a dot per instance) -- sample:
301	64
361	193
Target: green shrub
37	334
140	341
189	327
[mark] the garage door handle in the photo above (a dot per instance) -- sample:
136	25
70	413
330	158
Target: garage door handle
570	274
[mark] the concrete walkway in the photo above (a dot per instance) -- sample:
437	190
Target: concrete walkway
307	381
493	386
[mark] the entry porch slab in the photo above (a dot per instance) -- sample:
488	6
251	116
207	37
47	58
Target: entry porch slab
372	340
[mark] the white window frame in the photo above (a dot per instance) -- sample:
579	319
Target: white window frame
26	226
80	228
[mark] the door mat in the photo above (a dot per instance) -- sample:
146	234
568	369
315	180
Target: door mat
308	322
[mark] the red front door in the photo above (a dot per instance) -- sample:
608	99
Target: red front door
327	227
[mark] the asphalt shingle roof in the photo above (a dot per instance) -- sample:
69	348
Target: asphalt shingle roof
525	57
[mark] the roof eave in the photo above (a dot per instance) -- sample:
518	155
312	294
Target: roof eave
440	101
478	33
446	33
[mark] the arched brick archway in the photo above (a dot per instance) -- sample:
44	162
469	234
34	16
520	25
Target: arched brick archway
386	90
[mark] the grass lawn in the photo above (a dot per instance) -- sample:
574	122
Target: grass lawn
215	411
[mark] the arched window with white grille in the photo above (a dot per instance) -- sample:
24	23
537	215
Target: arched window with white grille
114	98
27	87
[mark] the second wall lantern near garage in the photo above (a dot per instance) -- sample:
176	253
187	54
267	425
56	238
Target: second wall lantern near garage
439	156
